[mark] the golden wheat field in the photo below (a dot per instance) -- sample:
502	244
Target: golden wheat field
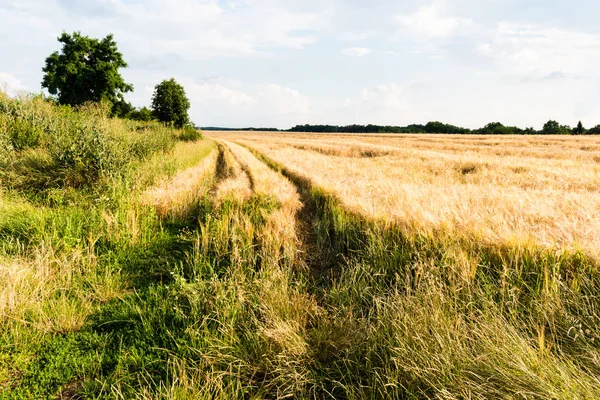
544	190
311	266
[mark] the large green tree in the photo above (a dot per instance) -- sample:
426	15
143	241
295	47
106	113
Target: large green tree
170	104
86	69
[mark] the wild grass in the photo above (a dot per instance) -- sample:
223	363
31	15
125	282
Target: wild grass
174	196
296	267
67	246
425	308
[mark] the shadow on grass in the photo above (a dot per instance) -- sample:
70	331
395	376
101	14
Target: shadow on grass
126	335
131	339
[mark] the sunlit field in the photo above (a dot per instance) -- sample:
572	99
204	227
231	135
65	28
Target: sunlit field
542	190
273	265
467	264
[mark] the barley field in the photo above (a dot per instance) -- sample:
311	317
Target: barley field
466	264
510	189
272	265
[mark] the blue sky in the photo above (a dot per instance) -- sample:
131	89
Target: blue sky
285	62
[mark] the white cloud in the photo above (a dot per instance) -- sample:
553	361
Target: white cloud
205	29
430	21
535	51
359	35
231	103
192	29
388	96
385	104
484	49
216	91
283	100
10	84
356	51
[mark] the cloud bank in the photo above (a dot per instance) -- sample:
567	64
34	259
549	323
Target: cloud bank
283	62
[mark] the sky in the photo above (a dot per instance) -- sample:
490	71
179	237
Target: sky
278	63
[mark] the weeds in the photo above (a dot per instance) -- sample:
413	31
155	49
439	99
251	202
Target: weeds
48	146
196	270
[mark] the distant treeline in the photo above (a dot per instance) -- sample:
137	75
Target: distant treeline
493	128
431	127
216	128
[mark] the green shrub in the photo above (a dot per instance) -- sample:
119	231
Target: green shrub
88	151
149	138
79	146
190	134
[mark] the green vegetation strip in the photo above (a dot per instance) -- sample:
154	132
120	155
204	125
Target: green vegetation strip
422	324
104	297
107	261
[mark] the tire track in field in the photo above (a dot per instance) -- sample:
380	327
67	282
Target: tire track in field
245	169
222	171
232	175
316	252
317	268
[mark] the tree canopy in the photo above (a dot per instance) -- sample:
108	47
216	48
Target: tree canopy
170	103
86	69
141	114
579	130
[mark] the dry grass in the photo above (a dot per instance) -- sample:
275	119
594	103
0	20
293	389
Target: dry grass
51	292
532	189
173	196
268	184
236	183
265	181
451	287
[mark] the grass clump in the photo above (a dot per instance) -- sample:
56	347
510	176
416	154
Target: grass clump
45	145
190	134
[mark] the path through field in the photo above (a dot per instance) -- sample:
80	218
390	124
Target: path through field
433	254
260	265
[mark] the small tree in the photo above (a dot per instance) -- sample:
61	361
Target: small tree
170	104
86	69
579	130
552	128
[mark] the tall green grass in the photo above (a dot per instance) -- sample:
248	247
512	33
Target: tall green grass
47	146
102	297
73	235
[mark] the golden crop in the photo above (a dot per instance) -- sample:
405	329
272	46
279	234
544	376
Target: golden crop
526	188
